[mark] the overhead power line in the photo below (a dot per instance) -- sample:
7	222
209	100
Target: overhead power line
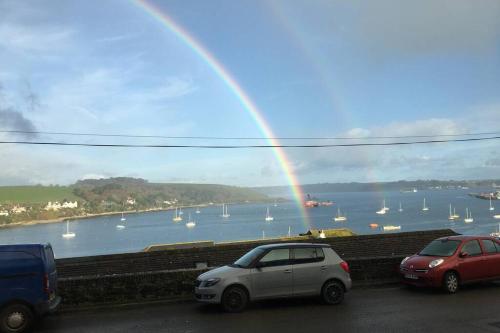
247	146
245	138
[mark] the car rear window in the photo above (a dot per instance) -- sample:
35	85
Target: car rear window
489	246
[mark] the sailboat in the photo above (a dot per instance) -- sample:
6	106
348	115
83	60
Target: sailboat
452	216
383	210
198	211
177	217
190	224
121	225
491	206
268	216
180	211
224	211
289	231
455	215
468	216
400	207
496	216
496	234
425	208
275	204
339	217
68	234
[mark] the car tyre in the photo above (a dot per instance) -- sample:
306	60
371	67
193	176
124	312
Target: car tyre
450	282
16	318
234	299
332	292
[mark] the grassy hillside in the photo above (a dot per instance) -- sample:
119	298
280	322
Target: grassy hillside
35	194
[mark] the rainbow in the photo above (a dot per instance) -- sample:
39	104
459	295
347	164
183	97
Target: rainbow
247	103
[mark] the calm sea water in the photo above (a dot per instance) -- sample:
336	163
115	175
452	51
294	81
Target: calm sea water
100	236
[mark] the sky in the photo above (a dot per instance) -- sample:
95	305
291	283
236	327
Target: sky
316	68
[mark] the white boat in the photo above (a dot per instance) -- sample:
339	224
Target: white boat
275	204
339	217
468	216
496	216
121	226
177	217
491	206
322	234
225	214
68	234
496	234
180	211
190	224
400	207
452	215
198	211
123	218
268	216
383	210
415	190
455	215
289	231
425	208
391	227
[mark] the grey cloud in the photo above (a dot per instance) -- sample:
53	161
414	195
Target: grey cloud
12	120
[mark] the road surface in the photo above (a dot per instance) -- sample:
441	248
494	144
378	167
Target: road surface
388	309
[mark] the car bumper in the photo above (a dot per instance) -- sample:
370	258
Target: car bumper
421	279
348	284
48	306
207	295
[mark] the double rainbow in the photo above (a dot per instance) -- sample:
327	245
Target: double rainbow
238	92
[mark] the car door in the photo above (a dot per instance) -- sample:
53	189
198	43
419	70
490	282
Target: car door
471	267
273	275
491	258
309	270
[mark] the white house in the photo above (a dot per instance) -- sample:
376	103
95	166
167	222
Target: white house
18	210
4	213
130	201
56	205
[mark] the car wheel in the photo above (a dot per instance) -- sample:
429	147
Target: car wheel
234	299
450	282
332	292
16	318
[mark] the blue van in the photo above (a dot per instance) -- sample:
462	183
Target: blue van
28	285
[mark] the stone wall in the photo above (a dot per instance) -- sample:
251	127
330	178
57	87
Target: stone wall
169	274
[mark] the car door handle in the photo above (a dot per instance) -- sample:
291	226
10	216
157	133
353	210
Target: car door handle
324	268
287	271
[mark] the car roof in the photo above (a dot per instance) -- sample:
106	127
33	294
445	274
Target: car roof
466	238
292	245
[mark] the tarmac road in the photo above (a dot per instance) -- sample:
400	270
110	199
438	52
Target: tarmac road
387	309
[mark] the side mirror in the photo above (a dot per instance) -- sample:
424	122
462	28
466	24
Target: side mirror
463	254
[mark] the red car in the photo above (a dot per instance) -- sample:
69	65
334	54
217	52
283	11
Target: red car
449	262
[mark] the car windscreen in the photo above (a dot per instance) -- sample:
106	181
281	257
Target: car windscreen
248	258
440	248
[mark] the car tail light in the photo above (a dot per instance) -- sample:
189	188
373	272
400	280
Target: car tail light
46	283
345	266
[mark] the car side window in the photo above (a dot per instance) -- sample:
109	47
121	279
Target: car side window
497	244
489	246
276	257
472	248
308	255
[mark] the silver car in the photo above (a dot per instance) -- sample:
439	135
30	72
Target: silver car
275	271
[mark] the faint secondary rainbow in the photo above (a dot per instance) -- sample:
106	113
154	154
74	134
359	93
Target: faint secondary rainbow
239	93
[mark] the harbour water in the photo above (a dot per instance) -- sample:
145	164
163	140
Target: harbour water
99	235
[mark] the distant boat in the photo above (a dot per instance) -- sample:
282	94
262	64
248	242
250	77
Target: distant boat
451	217
425	208
180	211
322	234
491	206
373	225
339	217
268	216
468	216
391	227
455	215
383	210
190	224
496	234
177	218
197	211
289	231
123	218
275	204
225	214
68	234
496	216
400	207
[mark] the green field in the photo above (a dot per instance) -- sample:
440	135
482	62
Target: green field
36	194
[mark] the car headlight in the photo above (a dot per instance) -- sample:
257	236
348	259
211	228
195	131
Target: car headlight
435	263
405	260
211	282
